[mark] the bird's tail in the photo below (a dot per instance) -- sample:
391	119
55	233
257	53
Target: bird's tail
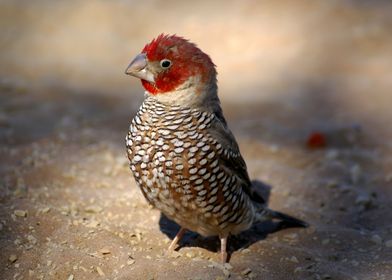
266	214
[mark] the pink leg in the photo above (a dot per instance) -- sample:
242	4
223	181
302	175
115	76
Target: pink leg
179	235
223	248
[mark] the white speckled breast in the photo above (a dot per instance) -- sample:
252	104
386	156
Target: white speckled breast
177	165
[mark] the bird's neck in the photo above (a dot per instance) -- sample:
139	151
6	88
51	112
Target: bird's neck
192	94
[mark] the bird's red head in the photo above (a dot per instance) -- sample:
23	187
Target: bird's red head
169	61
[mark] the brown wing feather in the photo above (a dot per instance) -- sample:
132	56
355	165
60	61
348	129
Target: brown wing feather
231	160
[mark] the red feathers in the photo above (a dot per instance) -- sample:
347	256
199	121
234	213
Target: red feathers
186	61
159	47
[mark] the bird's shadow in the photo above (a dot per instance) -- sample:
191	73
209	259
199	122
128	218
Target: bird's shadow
257	232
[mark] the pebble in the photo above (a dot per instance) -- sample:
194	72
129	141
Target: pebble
298	269
130	262
332	154
13	258
388	243
20	213
45	210
93	224
226	273
294	259
175	254
245	251
332	184
32	239
93	209
100	272
291	236
274	148
355	173
71	277
105	251
246	271
376	239
325	241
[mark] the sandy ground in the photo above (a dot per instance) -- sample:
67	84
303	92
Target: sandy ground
69	207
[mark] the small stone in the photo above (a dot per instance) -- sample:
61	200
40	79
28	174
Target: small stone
291	236
71	277
294	259
246	271
226	273
332	184
130	262
245	251
325	241
32	239
376	239
355	173
105	251
20	213
93	224
332	154
388	243
13	258
99	270
93	209
45	210
274	148
175	254
298	269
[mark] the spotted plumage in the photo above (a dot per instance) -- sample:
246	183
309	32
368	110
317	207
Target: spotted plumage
181	169
182	154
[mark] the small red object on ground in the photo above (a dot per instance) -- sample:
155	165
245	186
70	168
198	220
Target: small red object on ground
316	140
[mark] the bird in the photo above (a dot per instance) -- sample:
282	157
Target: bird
182	154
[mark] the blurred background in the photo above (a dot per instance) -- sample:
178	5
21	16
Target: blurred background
306	88
259	46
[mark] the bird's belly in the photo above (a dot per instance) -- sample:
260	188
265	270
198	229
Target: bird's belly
171	195
187	187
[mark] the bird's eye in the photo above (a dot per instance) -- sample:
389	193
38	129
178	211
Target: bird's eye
165	63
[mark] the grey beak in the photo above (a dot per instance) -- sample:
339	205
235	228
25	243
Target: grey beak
138	68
